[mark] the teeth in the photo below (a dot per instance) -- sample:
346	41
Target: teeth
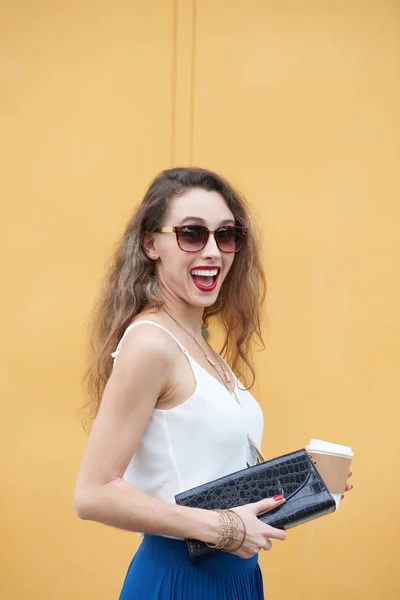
205	273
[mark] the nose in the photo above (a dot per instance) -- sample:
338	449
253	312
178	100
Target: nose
211	249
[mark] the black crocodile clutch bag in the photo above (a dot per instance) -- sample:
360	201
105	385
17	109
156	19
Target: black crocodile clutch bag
293	475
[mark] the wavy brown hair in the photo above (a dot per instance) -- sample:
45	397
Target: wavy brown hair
131	284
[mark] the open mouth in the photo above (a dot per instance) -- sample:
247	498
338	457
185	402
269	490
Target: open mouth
206	279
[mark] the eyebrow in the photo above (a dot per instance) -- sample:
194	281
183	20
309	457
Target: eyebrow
202	221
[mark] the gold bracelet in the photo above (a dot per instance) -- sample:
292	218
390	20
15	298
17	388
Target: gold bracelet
223	532
229	529
238	517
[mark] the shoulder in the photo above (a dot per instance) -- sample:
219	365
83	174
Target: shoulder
147	343
144	364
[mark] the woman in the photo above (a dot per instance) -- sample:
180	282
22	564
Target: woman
172	414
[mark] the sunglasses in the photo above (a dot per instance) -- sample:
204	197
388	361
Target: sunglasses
192	238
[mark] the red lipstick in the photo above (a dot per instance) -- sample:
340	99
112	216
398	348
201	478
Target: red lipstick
197	273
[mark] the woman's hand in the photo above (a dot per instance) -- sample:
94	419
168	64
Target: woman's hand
348	485
258	534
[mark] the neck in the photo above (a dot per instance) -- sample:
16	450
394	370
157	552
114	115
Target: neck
189	317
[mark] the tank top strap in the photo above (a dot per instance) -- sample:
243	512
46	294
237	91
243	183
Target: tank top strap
128	329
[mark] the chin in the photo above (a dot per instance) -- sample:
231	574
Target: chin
204	302
199	299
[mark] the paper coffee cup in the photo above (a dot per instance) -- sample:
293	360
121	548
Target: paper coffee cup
333	464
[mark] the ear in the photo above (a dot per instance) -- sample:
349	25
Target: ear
149	246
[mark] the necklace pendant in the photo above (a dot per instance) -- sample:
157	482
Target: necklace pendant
210	361
226	375
236	398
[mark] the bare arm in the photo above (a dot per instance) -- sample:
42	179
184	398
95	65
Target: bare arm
139	378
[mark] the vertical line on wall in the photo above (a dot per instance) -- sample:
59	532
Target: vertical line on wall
183	83
192	83
173	80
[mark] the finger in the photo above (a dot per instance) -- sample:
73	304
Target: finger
267	546
276	534
349	475
348	487
268	504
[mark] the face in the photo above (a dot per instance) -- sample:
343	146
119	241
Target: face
194	277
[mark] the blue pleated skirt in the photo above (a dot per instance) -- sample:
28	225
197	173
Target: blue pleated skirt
160	570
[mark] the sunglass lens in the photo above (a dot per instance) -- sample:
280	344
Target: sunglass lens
192	238
229	239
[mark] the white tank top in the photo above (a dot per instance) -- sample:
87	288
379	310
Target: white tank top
197	441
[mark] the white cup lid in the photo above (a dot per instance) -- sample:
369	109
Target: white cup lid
329	448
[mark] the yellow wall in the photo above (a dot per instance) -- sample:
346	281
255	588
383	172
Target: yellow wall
297	103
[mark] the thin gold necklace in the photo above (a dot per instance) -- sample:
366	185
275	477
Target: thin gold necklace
227	382
259	457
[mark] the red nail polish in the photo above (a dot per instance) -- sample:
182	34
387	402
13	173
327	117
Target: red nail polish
342	496
350	474
277	498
